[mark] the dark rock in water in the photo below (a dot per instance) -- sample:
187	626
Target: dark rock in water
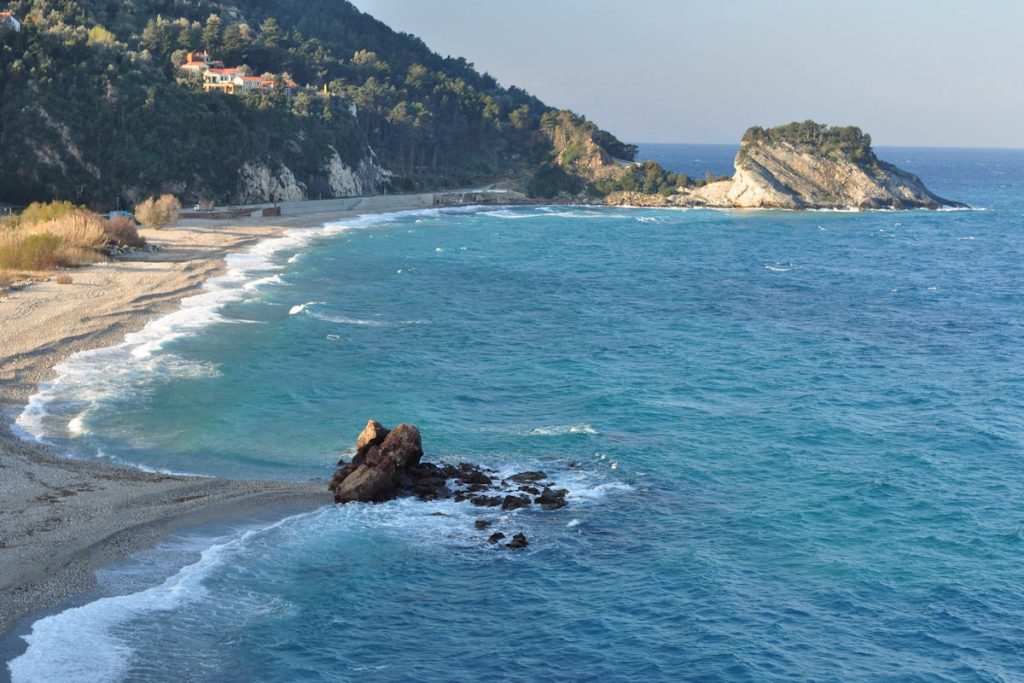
515	502
387	463
552	499
402	446
384	461
482	523
368	485
340	476
496	537
427	481
430	489
518	541
372	435
475	477
527	477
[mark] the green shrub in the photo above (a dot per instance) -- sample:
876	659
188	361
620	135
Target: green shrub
30	252
43	212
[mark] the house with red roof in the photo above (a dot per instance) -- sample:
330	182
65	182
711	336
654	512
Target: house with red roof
9	22
229	80
198	63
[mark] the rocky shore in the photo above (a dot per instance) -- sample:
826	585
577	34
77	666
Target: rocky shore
388	464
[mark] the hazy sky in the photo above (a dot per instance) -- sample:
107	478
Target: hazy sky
910	72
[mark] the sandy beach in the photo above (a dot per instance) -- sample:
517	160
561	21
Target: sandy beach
61	518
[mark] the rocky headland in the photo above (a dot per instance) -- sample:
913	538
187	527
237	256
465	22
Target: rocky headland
802	166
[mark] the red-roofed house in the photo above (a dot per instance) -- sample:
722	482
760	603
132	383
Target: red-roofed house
198	63
233	81
9	21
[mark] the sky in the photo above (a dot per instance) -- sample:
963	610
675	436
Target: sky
939	73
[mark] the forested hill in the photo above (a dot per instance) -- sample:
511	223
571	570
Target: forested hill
94	108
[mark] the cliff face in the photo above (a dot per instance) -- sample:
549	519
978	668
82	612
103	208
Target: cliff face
804	166
792	176
258	182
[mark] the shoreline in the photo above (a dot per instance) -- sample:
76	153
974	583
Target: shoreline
61	518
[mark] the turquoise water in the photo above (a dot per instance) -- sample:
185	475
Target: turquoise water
799	439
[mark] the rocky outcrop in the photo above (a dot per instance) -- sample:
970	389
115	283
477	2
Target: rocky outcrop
387	463
804	166
365	179
258	182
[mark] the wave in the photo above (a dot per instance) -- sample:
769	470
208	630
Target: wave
82	643
99	642
551	212
343	320
559	430
295	310
88	378
778	268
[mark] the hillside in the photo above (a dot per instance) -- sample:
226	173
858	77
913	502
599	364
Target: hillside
94	108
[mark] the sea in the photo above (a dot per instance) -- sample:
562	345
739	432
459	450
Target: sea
793	444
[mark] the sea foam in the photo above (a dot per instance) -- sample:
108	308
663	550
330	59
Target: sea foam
83	643
88	378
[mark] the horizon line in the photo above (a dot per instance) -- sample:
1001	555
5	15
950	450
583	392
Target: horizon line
875	145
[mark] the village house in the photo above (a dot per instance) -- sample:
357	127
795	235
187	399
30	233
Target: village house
230	80
197	63
9	22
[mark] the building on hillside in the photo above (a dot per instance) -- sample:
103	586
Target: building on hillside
237	81
198	63
9	22
230	80
216	79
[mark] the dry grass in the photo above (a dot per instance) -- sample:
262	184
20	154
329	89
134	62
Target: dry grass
157	213
64	280
122	232
82	229
73	239
68	237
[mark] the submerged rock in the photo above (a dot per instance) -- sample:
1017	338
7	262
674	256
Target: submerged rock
518	541
515	502
528	477
551	499
495	537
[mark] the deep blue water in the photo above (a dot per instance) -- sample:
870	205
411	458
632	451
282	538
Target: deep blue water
816	422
